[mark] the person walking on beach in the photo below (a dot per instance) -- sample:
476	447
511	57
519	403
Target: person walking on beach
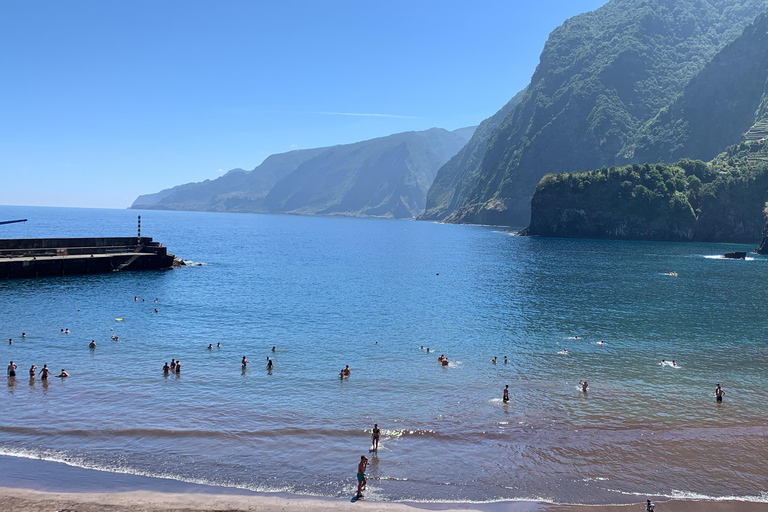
361	480
719	393
506	393
11	370
375	436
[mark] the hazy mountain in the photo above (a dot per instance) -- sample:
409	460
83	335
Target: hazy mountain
386	177
602	77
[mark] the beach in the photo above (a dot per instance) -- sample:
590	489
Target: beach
25	500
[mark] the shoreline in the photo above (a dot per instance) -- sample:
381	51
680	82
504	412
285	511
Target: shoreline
31	485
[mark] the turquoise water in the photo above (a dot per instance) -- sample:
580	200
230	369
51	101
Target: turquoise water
323	291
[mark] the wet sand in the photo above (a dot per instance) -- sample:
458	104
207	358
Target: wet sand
32	485
25	500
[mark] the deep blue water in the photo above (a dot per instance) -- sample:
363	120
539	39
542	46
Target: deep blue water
323	291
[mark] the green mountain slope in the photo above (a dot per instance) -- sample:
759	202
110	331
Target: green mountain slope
385	177
454	178
602	77
716	107
691	200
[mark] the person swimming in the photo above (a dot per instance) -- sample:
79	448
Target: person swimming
63	373
505	359
346	371
269	363
564	352
444	362
218	345
674	363
493	360
274	349
210	346
92	344
584	385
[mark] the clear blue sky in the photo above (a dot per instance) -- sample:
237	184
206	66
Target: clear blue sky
103	100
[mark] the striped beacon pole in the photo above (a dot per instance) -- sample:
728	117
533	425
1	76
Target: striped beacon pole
139	228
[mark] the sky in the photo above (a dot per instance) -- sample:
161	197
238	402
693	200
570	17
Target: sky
101	101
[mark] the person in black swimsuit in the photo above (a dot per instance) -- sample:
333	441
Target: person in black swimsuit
11	370
269	364
506	393
375	436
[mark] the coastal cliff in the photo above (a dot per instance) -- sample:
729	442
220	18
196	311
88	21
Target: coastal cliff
717	201
602	77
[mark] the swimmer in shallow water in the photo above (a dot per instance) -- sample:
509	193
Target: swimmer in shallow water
166	368
564	352
505	396
92	344
63	373
11	370
210	346
32	371
601	342
269	364
719	393
584	385
245	362
505	359
44	372
346	371
493	360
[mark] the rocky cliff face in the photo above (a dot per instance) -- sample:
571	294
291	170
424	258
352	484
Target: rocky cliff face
602	77
454	178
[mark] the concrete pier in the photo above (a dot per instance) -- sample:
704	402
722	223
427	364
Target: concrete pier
41	257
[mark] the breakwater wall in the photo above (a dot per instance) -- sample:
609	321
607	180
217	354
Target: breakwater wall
43	257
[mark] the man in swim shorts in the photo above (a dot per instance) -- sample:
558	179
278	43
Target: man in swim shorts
719	393
361	481
11	370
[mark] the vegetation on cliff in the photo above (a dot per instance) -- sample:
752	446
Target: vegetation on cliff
602	77
691	200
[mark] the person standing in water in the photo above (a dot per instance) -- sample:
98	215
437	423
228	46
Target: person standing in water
32	371
245	362
361	480
719	393
178	367
506	393
166	368
269	363
584	384
375	436
44	372
11	370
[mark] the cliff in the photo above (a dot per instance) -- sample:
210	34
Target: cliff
602	77
717	201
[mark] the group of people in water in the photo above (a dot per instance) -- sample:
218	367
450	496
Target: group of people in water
44	373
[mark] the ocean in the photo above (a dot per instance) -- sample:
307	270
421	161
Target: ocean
330	292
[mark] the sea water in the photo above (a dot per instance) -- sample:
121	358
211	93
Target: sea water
330	292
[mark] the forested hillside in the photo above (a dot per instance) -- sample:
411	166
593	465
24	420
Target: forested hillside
691	200
602	77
